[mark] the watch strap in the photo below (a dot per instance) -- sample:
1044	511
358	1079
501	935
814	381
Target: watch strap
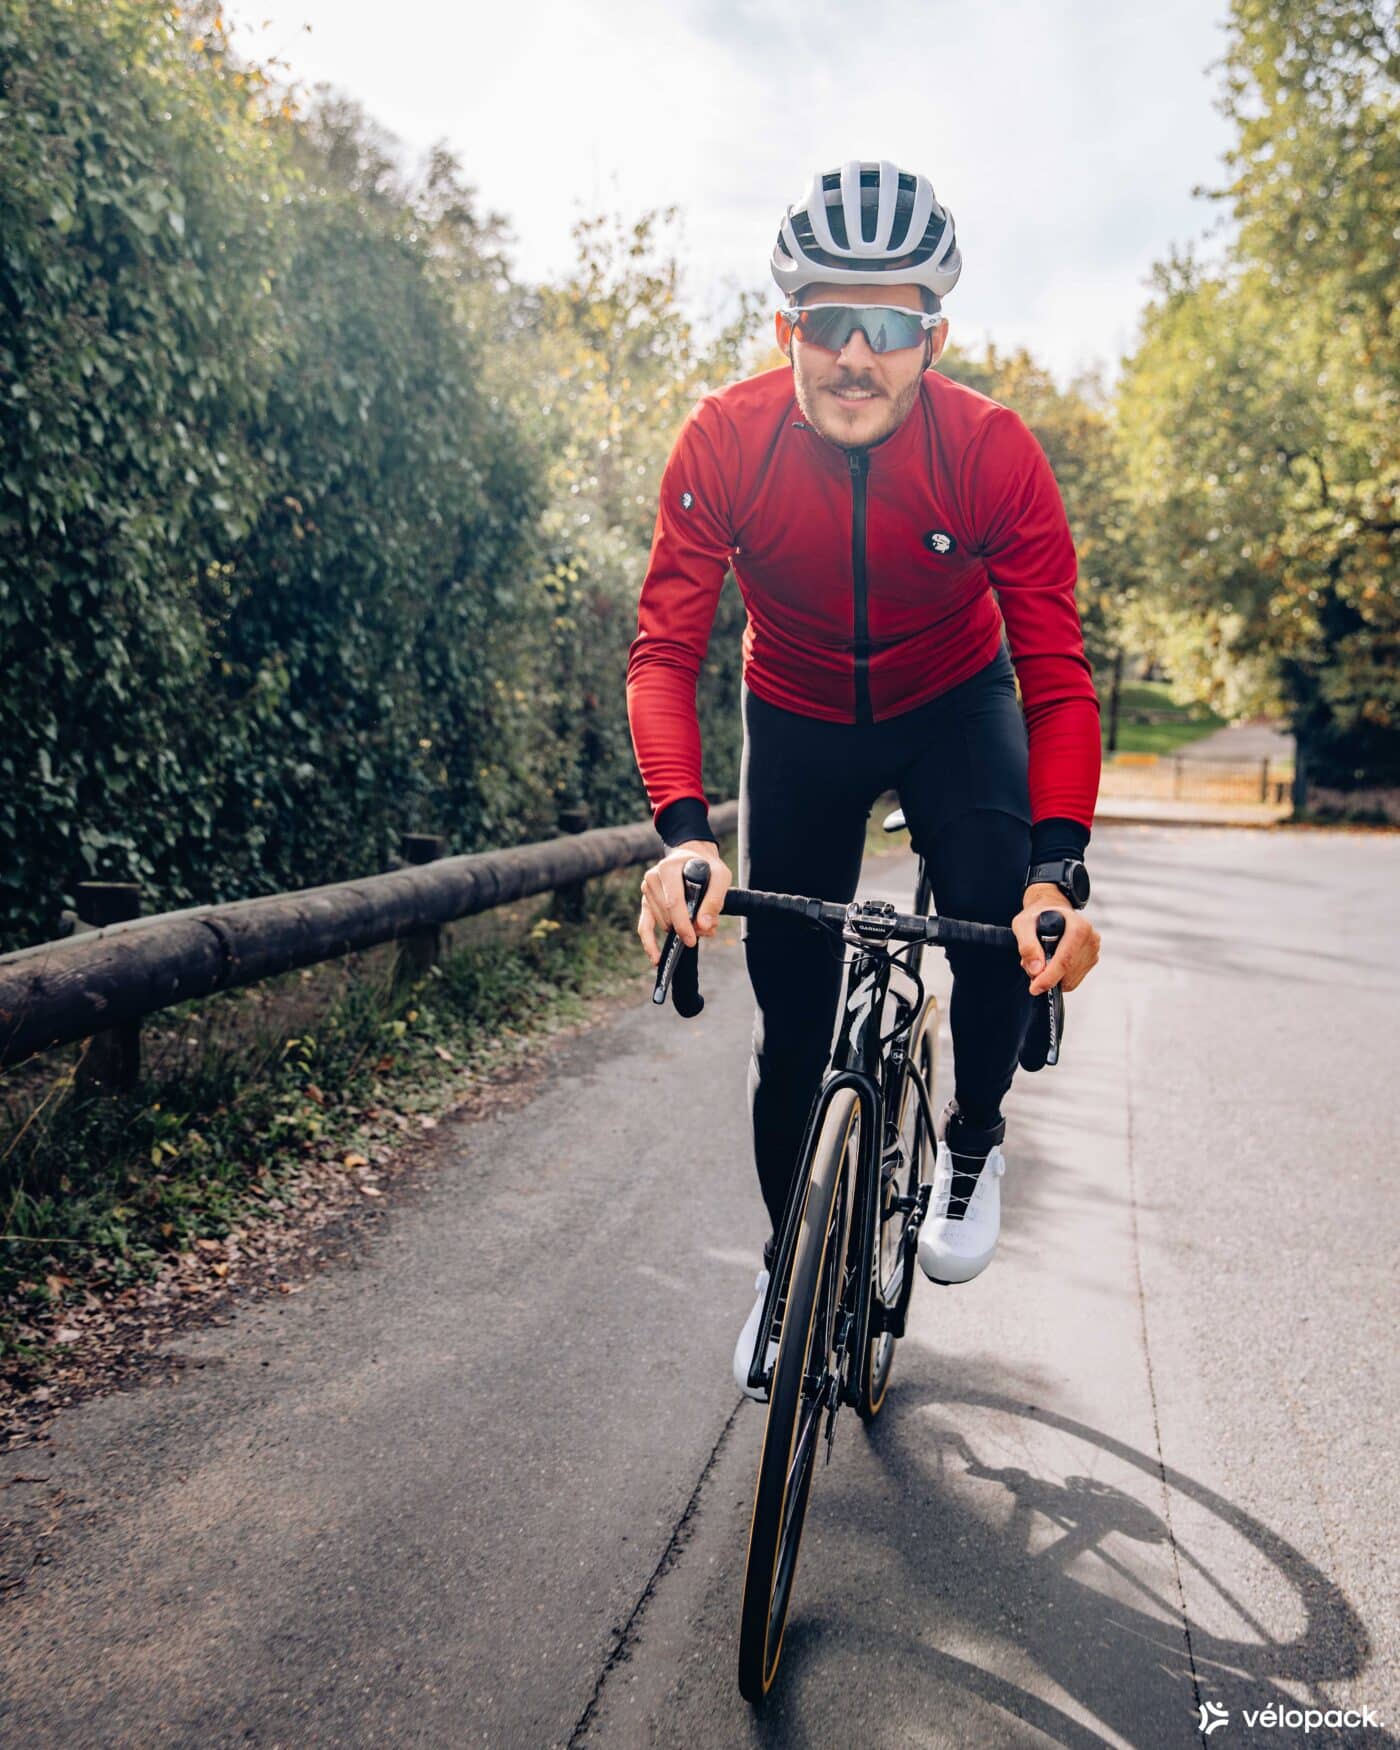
1056	871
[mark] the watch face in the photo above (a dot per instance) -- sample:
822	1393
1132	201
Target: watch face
1078	882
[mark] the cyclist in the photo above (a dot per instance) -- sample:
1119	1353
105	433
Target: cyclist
904	559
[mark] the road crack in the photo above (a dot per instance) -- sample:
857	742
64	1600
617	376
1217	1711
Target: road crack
1147	1358
627	1636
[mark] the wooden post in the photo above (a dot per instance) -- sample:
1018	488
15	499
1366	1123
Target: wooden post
570	901
421	950
1176	778
110	1061
1264	780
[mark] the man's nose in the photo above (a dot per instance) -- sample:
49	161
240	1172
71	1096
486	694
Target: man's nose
857	352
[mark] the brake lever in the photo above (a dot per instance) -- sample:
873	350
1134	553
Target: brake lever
1046	1030
1049	930
678	970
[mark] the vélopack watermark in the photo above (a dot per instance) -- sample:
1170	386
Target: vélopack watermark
1211	1716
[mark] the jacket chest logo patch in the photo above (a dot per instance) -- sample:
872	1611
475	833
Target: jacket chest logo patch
687	499
941	542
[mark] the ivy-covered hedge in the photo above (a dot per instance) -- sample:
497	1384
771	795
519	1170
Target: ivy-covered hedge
277	574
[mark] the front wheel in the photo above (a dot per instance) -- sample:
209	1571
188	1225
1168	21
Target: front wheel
802	1396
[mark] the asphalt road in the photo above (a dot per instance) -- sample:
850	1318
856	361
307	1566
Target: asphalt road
491	1486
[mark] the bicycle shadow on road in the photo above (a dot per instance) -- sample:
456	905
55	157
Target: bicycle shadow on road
1001	1594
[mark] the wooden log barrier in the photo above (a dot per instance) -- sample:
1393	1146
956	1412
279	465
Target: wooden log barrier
56	992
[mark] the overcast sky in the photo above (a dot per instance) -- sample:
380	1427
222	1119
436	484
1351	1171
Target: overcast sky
1065	135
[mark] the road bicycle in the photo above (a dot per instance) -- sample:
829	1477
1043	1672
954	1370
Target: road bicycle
843	1267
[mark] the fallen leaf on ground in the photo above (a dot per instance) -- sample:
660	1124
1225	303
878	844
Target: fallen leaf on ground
353	1160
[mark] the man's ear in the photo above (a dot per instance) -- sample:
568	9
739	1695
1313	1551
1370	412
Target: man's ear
937	340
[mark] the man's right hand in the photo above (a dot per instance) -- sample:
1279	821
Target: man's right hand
663	897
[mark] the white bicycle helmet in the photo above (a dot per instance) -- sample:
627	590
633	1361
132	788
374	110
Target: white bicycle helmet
863	221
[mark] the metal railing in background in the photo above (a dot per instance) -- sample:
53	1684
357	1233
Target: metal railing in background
1183	777
102	981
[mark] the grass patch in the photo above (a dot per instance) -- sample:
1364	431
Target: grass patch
248	1092
1149	722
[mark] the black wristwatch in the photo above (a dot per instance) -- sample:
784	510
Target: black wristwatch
1066	873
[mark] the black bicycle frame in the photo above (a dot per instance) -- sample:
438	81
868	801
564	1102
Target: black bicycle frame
855	1063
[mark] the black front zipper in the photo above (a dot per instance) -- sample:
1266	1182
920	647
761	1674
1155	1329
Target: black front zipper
859	463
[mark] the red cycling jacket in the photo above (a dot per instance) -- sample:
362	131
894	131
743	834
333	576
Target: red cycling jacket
872	579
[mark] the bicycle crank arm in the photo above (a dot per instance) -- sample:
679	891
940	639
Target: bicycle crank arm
894	1318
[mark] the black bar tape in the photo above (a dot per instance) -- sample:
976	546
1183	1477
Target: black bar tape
944	930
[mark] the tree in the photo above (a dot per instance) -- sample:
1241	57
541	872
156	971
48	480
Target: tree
1259	414
1074	426
611	367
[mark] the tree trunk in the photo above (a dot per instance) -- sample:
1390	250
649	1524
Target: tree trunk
1115	693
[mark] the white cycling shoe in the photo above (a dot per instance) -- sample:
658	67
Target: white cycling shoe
957	1247
743	1349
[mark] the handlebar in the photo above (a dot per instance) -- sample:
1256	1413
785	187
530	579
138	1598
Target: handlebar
875	922
891	926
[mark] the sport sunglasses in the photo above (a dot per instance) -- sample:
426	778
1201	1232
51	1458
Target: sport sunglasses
887	327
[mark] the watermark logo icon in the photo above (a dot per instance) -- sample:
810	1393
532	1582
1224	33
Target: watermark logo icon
1212	1715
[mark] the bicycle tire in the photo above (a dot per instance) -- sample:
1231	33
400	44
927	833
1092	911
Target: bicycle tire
795	1411
902	1183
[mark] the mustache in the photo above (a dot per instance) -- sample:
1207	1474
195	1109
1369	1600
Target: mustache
846	381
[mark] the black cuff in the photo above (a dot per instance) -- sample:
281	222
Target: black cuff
685	819
1058	838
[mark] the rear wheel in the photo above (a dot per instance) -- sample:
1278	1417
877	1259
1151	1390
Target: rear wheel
902	1172
802	1395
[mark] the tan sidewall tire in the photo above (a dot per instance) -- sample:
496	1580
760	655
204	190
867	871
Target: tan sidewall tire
758	1662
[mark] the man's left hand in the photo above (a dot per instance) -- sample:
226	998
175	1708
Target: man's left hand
1079	946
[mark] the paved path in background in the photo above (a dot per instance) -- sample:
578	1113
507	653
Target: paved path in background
1241	741
491	1486
1162	811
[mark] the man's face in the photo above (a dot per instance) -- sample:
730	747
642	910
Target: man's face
857	397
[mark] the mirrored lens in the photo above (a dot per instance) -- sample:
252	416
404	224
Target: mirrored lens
887	330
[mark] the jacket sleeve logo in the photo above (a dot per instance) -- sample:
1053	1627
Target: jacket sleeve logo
941	542
687	499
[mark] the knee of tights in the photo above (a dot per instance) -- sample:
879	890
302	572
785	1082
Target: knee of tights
976	969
